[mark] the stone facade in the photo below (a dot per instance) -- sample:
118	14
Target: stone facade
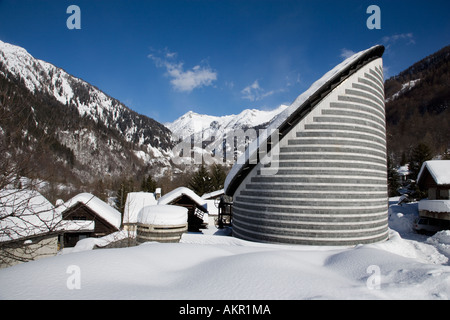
331	183
31	249
164	234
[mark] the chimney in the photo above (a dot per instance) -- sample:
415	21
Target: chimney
157	193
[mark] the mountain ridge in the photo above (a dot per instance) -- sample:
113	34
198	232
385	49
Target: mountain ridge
85	134
193	123
42	76
91	136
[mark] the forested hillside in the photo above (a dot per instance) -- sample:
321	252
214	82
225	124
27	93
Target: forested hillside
418	106
62	130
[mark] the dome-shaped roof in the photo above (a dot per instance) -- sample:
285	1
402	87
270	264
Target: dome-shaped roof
163	215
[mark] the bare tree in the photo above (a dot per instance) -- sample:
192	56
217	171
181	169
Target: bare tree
28	226
28	222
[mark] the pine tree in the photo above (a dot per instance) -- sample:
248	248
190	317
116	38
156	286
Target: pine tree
419	155
126	186
393	179
148	184
218	176
446	155
200	182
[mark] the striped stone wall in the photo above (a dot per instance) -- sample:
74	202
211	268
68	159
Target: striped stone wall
166	234
331	184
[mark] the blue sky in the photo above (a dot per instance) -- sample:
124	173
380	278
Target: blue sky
163	58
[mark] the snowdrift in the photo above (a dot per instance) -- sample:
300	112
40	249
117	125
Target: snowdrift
215	266
218	267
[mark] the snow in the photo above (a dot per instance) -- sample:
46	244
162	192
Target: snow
404	170
41	76
90	243
407	86
77	225
208	126
441	206
401	216
163	215
25	213
214	130
213	194
214	266
134	203
95	204
439	170
441	241
287	112
178	192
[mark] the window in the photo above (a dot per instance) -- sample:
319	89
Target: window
442	194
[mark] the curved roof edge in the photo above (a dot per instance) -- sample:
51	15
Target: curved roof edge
304	103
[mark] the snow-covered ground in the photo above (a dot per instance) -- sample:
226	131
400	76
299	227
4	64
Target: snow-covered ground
218	267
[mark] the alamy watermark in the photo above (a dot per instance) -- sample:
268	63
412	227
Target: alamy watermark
74	280
74	20
374	21
374	280
239	146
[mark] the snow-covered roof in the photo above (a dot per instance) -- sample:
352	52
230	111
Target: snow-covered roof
134	203
76	225
25	213
100	207
213	194
404	170
163	215
297	110
179	192
438	169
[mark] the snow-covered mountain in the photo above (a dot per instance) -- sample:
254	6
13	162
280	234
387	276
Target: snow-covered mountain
100	135
212	130
193	123
87	135
43	77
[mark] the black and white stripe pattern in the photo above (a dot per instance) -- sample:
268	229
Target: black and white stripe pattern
331	183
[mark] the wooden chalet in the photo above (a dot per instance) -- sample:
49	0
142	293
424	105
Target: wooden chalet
197	207
434	176
86	216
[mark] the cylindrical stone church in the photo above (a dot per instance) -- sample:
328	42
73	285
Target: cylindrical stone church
328	184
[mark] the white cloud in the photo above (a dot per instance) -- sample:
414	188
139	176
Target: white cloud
254	92
181	80
346	53
293	79
409	37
